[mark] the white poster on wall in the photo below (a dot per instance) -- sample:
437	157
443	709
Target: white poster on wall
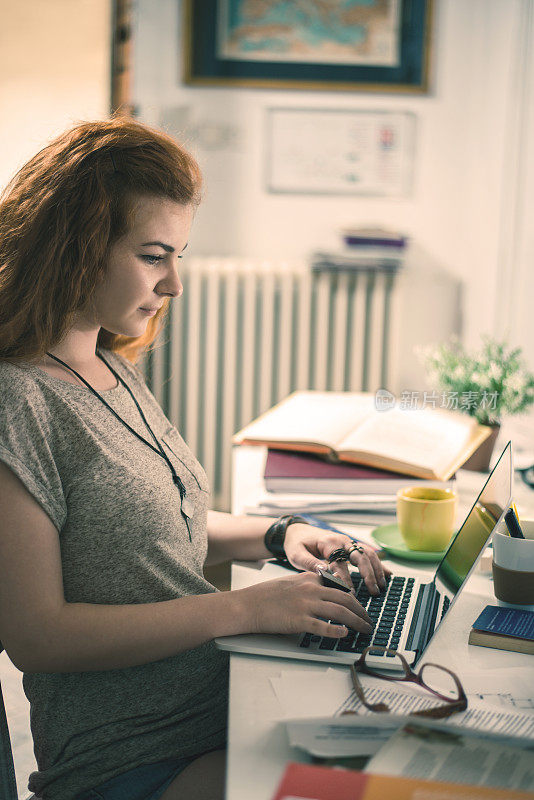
340	152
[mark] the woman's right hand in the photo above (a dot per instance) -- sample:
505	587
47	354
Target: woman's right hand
301	604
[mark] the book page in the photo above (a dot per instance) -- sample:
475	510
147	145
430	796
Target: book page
479	716
491	709
424	438
322	417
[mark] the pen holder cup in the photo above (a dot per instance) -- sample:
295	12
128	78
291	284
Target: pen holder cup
513	566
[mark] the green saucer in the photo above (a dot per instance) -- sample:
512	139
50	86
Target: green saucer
390	539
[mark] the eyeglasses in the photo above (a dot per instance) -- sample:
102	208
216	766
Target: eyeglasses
424	677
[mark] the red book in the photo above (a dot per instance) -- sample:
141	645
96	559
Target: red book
326	783
289	471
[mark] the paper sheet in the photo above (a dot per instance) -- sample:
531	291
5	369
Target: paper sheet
416	752
487	688
369	519
330	739
316	504
321	697
306	693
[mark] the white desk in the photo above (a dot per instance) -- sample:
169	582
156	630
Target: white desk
258	748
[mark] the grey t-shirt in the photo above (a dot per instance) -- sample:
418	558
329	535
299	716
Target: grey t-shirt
123	540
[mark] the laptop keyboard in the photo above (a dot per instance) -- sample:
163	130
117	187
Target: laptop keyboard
388	614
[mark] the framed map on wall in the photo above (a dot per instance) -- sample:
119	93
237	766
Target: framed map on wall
364	45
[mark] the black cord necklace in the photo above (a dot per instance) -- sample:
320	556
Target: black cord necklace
185	504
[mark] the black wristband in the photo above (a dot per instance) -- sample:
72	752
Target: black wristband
275	535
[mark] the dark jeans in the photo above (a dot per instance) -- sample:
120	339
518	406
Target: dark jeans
147	782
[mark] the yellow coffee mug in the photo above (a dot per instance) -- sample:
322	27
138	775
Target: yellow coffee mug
426	516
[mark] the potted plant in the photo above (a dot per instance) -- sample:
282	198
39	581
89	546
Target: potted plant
487	385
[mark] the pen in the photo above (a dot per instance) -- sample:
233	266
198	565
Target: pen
512	523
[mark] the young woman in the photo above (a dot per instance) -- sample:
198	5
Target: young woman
104	528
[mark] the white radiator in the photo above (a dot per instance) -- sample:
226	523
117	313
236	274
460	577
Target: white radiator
247	332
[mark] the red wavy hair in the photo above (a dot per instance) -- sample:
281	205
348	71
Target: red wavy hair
60	215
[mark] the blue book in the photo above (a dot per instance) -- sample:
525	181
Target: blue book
504	629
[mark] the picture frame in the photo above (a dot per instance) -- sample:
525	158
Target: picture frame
224	45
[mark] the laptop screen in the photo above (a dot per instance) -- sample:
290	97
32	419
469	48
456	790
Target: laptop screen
492	502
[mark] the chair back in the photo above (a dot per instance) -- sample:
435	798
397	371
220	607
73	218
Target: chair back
8	784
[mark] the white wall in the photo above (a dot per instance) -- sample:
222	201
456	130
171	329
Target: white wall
467	202
54	70
473	195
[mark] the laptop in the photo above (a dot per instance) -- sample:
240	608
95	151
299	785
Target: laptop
409	611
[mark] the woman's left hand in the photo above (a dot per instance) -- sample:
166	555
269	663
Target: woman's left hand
308	548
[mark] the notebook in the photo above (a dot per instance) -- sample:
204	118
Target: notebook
408	613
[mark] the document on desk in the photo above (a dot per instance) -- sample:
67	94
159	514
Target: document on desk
480	716
488	688
417	751
330	738
314	703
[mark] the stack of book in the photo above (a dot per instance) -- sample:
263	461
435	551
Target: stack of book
364	250
338	492
288	471
337	450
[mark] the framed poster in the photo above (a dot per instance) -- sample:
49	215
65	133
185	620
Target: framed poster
363	45
339	151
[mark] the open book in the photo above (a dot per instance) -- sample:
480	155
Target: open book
346	426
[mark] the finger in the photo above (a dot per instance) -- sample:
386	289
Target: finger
367	572
341	570
378	569
328	544
342	615
345	599
303	559
330	630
